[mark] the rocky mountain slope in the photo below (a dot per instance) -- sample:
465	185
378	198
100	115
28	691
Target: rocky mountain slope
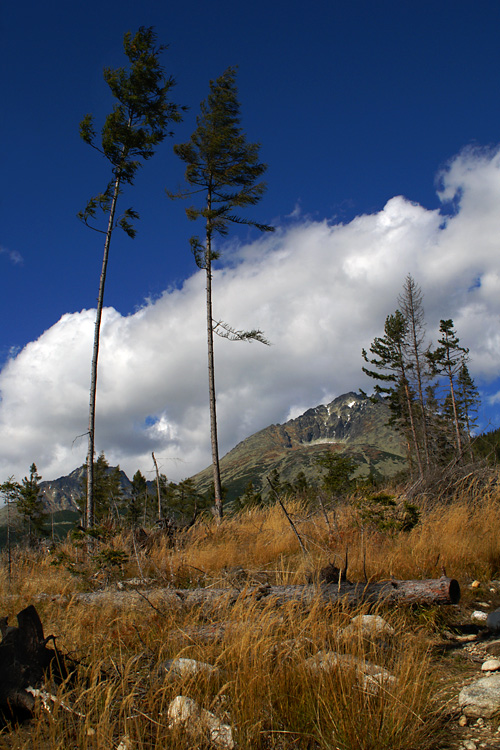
60	498
351	423
63	493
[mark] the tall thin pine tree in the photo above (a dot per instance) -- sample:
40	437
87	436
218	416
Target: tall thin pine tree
226	169
446	361
139	121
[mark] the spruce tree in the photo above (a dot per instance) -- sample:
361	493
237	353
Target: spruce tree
251	498
446	361
468	402
187	501
393	370
108	492
225	168
140	120
115	492
139	500
338	479
10	492
441	441
30	504
167	492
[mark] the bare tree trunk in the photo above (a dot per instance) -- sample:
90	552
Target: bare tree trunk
410	414
413	429
157	485
93	377
211	370
420	394
411	303
468	434
455	416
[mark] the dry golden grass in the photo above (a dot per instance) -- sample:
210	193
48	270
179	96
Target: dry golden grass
461	537
264	688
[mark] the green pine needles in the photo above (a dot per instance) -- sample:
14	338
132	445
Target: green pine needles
139	121
222	165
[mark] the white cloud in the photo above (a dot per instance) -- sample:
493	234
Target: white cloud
320	291
14	257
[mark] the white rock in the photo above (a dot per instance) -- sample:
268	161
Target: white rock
369	626
491	665
125	743
479	616
373	683
188	667
469	745
184	710
371	676
481	698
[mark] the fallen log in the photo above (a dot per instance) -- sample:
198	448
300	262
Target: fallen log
433	591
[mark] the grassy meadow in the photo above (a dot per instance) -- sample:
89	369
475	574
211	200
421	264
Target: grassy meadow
264	687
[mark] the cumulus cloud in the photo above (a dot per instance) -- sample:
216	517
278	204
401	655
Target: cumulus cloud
319	290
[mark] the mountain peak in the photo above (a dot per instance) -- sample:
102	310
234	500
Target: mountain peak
351	422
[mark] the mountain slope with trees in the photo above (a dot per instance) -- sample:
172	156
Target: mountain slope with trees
352	424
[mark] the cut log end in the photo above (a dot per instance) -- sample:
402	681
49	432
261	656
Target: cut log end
454	591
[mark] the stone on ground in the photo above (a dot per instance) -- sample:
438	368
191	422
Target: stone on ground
185	711
187	667
493	621
490	665
368	626
481	698
371	676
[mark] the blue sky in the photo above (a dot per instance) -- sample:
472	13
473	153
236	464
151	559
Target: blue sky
354	103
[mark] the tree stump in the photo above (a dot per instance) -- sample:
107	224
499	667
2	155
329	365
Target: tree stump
24	661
